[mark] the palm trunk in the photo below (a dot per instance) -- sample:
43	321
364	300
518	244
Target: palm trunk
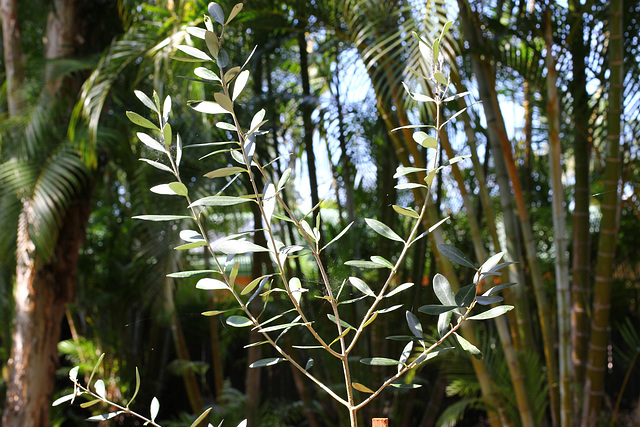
559	231
13	58
596	361
506	171
581	246
43	288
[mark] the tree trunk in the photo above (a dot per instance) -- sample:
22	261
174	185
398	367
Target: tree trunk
43	288
596	360
507	177
13	58
581	245
563	295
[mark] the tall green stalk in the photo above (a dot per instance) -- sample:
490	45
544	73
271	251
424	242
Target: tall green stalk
596	359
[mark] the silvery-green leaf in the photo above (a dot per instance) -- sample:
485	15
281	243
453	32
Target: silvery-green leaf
137	119
192	51
208	284
215	11
240	83
482	300
257	119
363	264
224	101
226	126
231	170
402	171
236	9
269	361
232	247
166	108
307	229
206	74
443	291
178	150
491	313
155	408
280	327
409	186
468	347
191	245
383	229
455	255
208	107
399	289
342	322
196	32
269	200
212	42
220	201
443	323
361	286
414	325
284	179
296	289
151	143
157	165
382	261
498	288
104	417
309	363
145	100
223	58
404	356
63	399
465	295
161	217
238	321
191	273
406	211
100	388
379	361
487	266
436	309
201	417
390	309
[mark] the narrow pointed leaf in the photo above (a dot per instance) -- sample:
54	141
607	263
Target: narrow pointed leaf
208	284
161	217
215	11
363	264
465	295
404	356
379	361
240	83
390	309
269	200
443	291
236	9
232	247
414	325
399	289
201	417
443	323
382	261
383	230
491	313
151	143
361	286
209	107
194	52
406	211
154	409
63	399
498	288
206	74
137	119
191	273
220	201
238	321
436	309
269	361
295	287
179	188
191	245
482	300
361	388
104	417
145	100
157	165
455	255
212	42
487	266
468	347
342	322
